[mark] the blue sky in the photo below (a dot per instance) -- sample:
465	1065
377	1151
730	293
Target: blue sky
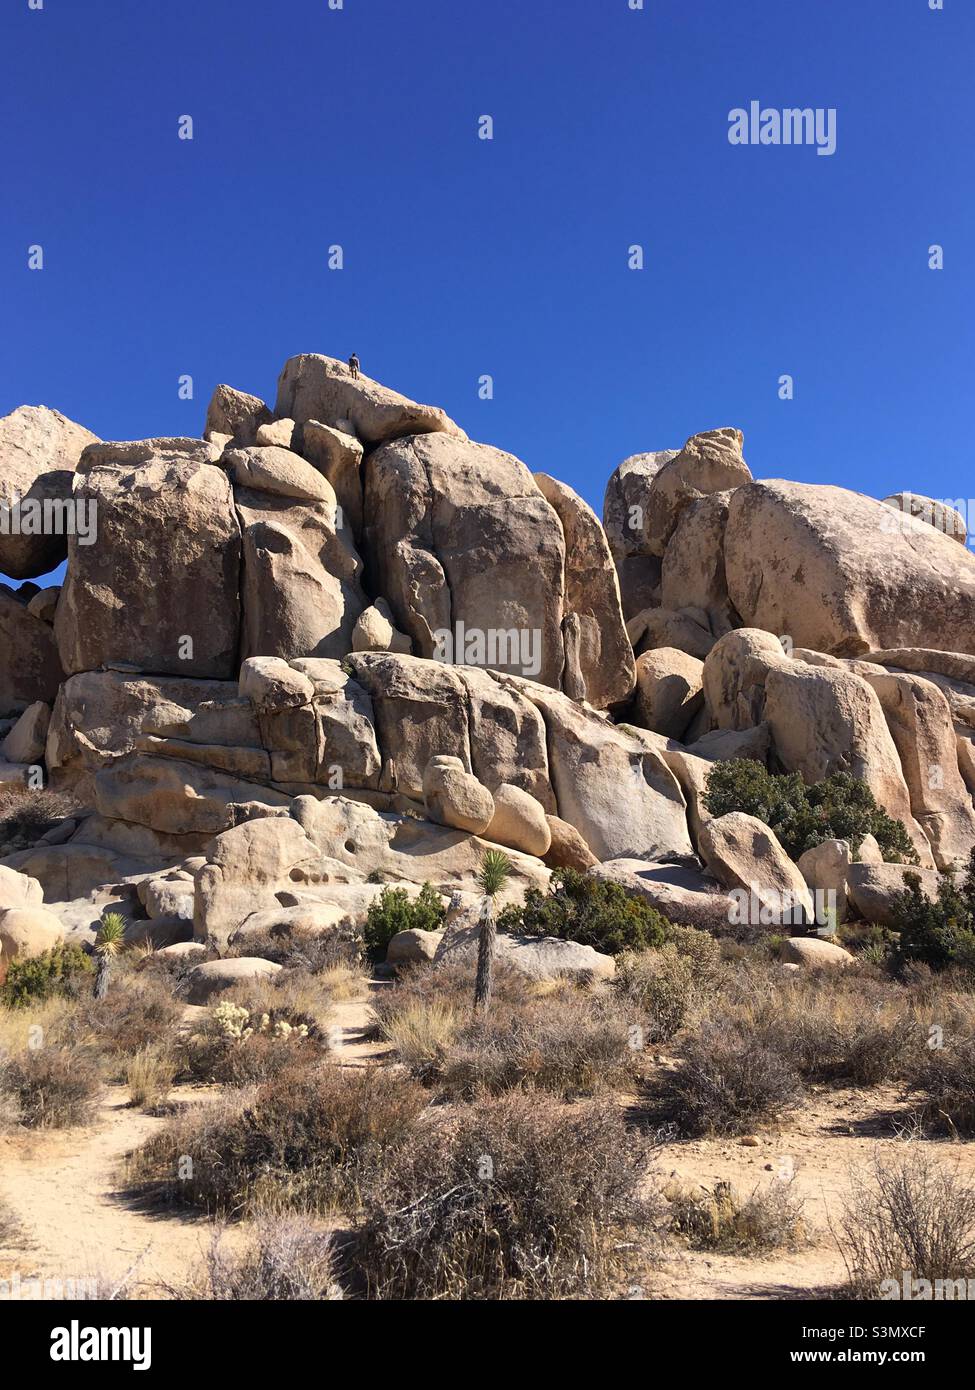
466	257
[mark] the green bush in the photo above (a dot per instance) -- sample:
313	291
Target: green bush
587	910
938	933
840	807
61	970
394	911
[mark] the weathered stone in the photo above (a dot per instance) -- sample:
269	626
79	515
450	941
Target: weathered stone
668	691
611	783
301	582
826	868
179	798
235	414
686	629
937	514
27	931
519	821
338	457
683	894
313	387
814	953
217	976
592	595
279	472
734	674
745	855
540	958
159	588
454	797
26	740
624	507
278	434
709	462
413	946
271	684
567	850
375	632
468	553
30	669
842	573
44	604
692	575
872	888
18	890
39	452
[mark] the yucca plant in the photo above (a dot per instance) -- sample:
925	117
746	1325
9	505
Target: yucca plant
111	934
495	869
108	944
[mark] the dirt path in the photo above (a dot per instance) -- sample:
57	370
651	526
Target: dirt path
64	1188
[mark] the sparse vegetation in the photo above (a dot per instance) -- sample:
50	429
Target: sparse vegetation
939	933
907	1213
727	1082
286	1259
52	1087
306	1141
719	1218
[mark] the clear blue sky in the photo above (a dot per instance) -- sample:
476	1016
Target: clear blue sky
465	257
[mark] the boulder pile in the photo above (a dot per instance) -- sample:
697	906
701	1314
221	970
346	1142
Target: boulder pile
334	644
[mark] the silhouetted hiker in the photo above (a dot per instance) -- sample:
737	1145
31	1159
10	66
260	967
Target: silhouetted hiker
354	367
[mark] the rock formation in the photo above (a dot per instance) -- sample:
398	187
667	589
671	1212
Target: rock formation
335	644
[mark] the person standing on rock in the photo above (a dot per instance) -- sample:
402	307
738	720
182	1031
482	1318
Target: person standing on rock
354	367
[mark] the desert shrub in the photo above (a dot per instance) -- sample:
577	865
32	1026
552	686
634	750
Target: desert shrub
702	950
285	1259
449	986
840	807
312	952
53	1087
306	1140
588	910
769	1218
661	985
394	911
907	1213
138	1012
518	1197
65	970
25	818
727	1082
945	1077
939	933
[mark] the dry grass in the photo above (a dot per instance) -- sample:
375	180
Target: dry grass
421	1031
149	1075
286	1259
719	1218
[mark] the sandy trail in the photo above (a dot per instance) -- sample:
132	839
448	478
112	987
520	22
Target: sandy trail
64	1187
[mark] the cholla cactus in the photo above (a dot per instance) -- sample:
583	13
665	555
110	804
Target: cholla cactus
236	1024
233	1021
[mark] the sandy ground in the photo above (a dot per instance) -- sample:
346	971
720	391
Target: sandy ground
835	1131
67	1189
